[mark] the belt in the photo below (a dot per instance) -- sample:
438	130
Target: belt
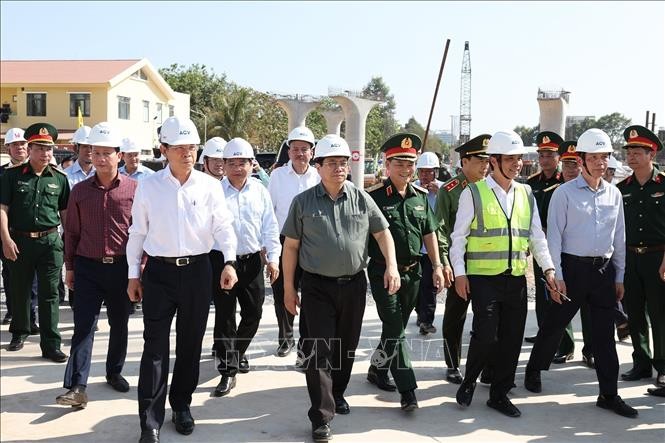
592	260
645	249
344	279
37	234
109	260
400	268
246	256
181	261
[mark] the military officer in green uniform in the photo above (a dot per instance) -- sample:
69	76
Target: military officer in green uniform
644	211
475	163
33	202
412	223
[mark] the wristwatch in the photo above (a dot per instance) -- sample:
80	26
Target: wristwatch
231	263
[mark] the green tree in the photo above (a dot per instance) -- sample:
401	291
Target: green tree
270	125
233	114
612	124
317	123
434	143
381	123
528	134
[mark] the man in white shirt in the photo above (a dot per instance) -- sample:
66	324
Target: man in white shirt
82	168
131	156
177	215
285	183
255	226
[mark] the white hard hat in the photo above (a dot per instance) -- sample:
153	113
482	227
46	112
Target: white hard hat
238	148
594	141
506	143
81	135
14	135
302	133
103	134
214	148
129	145
428	160
332	145
179	131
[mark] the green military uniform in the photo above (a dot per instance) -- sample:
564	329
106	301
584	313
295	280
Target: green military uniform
644	212
410	218
34	202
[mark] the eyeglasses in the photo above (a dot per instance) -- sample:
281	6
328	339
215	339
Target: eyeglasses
300	150
335	165
184	148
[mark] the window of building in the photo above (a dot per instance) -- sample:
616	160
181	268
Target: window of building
123	107
36	104
146	111
140	74
171	111
158	113
79	100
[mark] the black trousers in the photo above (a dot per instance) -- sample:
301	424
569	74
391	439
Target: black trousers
591	283
452	328
96	282
426	306
284	318
7	287
231	340
335	311
499	313
169	289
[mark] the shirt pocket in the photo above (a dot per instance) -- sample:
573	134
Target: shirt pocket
25	196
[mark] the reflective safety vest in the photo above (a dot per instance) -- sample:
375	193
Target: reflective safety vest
492	248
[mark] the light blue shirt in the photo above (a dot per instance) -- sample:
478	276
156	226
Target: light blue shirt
431	199
587	223
254	220
140	173
75	174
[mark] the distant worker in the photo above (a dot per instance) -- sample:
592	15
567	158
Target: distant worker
83	167
130	153
212	157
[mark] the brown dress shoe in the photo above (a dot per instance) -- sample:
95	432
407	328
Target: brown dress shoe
75	397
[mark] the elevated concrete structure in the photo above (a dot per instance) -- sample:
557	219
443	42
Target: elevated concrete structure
297	108
355	113
553	108
334	119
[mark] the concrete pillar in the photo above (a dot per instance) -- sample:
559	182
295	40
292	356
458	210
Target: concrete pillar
334	119
355	114
297	110
553	109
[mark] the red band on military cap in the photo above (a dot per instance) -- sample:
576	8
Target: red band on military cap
642	141
398	150
553	146
40	138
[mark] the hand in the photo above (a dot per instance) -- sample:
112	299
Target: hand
9	249
553	286
432	186
272	271
438	279
291	300
69	279
228	278
135	290
619	291
391	279
462	287
661	270
448	275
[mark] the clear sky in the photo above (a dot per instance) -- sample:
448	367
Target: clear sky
610	55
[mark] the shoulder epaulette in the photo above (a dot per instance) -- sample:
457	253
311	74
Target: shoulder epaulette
58	170
551	188
452	184
533	175
374	187
13	166
660	177
419	188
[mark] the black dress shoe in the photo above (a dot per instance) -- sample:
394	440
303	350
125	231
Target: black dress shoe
504	406
34	329
184	423
342	406
465	393
321	433
380	379
660	379
243	365
55	355
427	328
562	358
658	392
532	381
75	397
531	339
149	436
16	344
454	376
225	385
117	382
589	361
636	374
617	405
285	348
408	401
7	319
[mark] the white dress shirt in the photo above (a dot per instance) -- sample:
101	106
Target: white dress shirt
285	184
75	174
254	220
173	220
466	214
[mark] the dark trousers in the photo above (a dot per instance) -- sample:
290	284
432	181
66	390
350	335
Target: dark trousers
231	340
284	318
499	313
426	306
645	295
169	289
335	310
44	257
452	328
591	283
8	299
95	283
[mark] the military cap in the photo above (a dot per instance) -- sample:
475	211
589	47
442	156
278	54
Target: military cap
640	137
41	134
403	146
476	146
548	141
568	150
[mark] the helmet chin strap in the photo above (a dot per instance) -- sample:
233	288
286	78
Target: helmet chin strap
219	177
583	156
499	158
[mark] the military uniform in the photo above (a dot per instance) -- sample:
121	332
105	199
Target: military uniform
644	210
34	202
410	219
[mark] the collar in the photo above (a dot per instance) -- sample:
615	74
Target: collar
320	191
293	172
27	169
493	184
389	184
581	183
76	167
226	183
116	181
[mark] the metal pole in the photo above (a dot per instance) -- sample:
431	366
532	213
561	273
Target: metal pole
436	91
